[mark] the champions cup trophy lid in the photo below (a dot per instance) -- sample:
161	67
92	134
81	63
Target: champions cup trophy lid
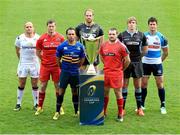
92	46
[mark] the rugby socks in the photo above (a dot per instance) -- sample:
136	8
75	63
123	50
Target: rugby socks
124	93
106	100
120	106
35	95
59	100
75	102
20	92
138	96
161	93
144	94
41	98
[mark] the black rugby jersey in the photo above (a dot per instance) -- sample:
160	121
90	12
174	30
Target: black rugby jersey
82	30
134	43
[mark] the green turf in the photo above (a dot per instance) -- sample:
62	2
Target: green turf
114	13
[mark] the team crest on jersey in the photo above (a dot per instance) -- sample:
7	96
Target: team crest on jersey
157	39
65	48
58	39
45	40
78	48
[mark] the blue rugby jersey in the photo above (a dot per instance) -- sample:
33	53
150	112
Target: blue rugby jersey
155	43
70	56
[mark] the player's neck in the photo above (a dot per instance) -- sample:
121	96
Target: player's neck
51	33
89	24
152	32
72	42
29	35
112	41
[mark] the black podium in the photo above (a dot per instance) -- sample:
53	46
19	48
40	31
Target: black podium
91	95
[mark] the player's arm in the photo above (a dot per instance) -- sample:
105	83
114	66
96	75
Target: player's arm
38	53
81	61
58	60
126	62
18	52
144	46
165	53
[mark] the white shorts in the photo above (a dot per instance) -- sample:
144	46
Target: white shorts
29	69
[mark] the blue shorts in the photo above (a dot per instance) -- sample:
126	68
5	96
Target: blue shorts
67	78
156	69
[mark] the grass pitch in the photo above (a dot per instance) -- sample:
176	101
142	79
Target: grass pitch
13	15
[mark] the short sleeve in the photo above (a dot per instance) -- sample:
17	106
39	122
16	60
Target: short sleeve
17	42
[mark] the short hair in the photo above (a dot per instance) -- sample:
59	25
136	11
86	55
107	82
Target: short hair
70	28
113	29
90	10
132	18
152	19
50	22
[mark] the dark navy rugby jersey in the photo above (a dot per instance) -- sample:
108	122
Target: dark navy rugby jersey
70	56
134	43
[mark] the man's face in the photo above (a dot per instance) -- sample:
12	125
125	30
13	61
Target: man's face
89	17
152	26
51	28
112	35
71	36
132	25
29	29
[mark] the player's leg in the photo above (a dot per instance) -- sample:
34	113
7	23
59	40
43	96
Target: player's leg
125	92
20	92
137	73
119	100
144	84
63	82
106	93
127	75
74	82
138	95
55	72
158	73
35	93
44	78
22	73
116	83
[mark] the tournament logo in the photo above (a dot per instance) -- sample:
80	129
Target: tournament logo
91	90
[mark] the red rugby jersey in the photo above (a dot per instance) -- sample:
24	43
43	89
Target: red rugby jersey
113	55
48	44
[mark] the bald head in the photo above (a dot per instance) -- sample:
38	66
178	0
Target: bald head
28	27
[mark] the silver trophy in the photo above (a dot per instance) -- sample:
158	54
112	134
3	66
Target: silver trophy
92	47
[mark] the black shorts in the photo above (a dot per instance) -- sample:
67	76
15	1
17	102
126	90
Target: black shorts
66	78
96	62
134	70
156	69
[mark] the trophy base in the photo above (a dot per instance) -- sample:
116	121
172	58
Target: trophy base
91	69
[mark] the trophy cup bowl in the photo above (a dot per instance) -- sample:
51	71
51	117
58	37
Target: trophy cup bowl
91	46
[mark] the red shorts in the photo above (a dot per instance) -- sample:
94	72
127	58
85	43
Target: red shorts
46	72
113	82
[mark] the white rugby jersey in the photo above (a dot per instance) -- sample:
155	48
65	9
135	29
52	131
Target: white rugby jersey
27	49
155	43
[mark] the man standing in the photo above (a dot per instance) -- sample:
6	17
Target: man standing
152	61
136	44
46	51
28	63
70	56
89	29
115	58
